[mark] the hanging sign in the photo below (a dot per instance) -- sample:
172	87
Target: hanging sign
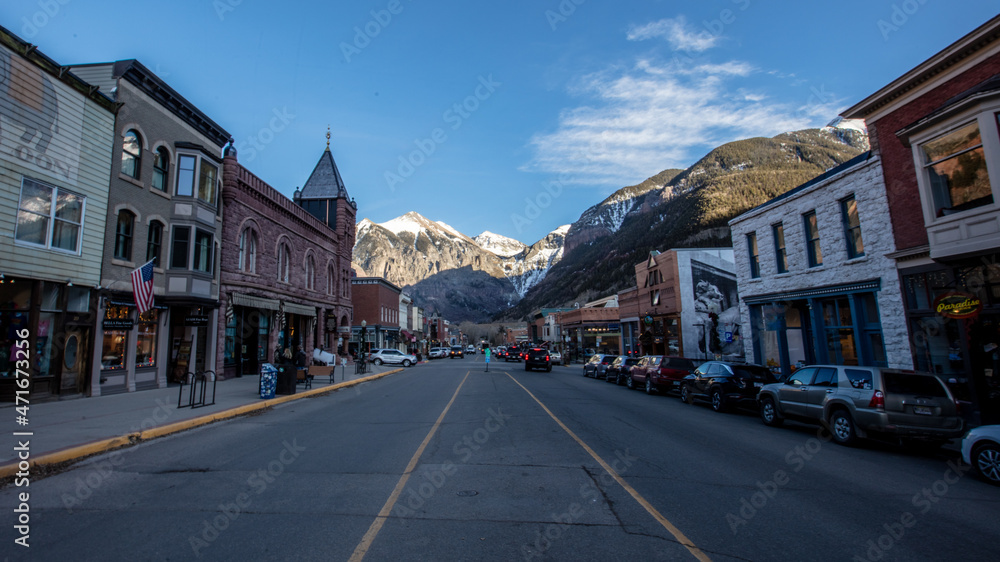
958	305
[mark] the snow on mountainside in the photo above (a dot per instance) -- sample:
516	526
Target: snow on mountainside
499	244
447	271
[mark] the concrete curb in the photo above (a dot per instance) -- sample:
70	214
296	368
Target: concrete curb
103	445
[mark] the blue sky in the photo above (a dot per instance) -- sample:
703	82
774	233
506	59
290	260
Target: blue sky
513	116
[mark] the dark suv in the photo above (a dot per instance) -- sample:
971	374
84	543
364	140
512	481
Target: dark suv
537	358
854	402
513	354
726	384
658	373
597	365
619	369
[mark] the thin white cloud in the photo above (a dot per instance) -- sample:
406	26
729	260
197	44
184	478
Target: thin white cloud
677	32
655	116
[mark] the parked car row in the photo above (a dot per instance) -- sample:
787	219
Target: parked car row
851	402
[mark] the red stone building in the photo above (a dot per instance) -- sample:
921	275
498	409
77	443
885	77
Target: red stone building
285	272
936	130
376	303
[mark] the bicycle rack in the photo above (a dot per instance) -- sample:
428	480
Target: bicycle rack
198	389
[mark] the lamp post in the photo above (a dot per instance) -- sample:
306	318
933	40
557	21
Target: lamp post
362	366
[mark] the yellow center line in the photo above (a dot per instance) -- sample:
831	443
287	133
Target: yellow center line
369	538
683	540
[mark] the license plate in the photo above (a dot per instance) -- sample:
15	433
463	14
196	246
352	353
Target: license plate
758	385
922	410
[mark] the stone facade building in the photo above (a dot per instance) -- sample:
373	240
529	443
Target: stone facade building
56	137
164	207
815	277
936	130
285	271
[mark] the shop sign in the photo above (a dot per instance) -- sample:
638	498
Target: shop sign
123	324
196	321
648	320
958	305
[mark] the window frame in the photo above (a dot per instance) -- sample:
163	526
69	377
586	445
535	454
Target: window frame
814	252
123	240
51	218
754	252
849	229
284	273
136	157
161	169
780	248
198	249
155	227
248	250
174	254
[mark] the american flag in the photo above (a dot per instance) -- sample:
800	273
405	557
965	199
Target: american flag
142	286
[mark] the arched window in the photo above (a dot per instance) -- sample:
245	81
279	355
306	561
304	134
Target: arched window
161	163
154	241
284	262
131	154
331	280
310	273
123	235
248	251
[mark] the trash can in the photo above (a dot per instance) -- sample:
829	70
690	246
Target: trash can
268	380
286	378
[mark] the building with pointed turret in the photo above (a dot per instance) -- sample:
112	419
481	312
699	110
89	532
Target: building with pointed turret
286	266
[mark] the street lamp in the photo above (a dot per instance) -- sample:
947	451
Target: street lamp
362	365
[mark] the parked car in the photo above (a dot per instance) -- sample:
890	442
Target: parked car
437	353
725	384
658	373
537	358
854	402
618	370
981	450
392	357
597	365
456	351
470	349
556	357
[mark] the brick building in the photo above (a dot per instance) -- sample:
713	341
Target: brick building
936	130
376	303
163	205
285	272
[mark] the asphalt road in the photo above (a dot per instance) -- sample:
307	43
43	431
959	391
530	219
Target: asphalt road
447	462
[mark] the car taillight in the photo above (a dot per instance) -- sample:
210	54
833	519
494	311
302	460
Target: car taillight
877	401
547	358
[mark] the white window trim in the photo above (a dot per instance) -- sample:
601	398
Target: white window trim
52	218
198	158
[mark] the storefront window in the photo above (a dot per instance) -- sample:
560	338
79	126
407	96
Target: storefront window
838	323
262	334
145	345
117	324
229	348
46	328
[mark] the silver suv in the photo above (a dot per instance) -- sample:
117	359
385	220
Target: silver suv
392	357
855	401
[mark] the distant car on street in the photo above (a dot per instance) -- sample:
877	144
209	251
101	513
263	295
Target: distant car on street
438	353
537	358
470	349
556	357
392	357
456	351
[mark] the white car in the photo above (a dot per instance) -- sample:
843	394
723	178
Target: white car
470	349
981	450
438	353
556	357
392	357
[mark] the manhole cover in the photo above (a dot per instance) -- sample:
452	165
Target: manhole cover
467	493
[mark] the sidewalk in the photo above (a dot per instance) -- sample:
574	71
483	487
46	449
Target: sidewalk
69	429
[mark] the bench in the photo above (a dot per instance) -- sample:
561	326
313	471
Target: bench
313	371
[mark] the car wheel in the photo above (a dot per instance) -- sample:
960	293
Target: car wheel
769	413
630	383
986	462
585	372
406	363
377	362
842	428
686	394
718	402
649	386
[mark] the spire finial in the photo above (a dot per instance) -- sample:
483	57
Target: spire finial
328	137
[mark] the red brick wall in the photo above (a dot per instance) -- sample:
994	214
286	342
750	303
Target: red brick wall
897	159
369	300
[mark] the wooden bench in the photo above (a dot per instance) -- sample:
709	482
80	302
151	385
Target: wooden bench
318	371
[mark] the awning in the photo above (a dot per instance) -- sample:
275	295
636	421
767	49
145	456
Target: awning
300	309
816	292
250	301
406	334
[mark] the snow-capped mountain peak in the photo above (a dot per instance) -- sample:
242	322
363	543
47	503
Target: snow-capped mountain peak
499	244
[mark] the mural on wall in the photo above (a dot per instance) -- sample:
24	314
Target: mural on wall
716	306
41	120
